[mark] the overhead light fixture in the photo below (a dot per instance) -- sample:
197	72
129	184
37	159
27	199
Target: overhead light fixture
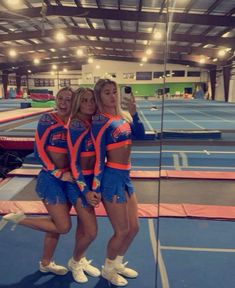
54	67
90	60
149	51
59	36
144	59
36	61
157	35
202	61
79	52
222	53
12	53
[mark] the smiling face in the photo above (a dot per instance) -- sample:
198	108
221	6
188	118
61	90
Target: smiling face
87	103
63	102
109	97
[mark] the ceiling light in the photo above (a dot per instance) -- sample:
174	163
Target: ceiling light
65	70
157	35
60	37
221	52
36	61
149	51
79	52
90	60
54	67
144	59
12	53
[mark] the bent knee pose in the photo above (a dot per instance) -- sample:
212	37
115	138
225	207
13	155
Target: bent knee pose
82	160
112	130
54	181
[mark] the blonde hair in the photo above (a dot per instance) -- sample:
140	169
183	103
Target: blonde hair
67	88
79	93
97	90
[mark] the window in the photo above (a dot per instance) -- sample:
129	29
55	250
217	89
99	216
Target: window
65	82
44	82
143	75
194	73
158	74
128	75
178	73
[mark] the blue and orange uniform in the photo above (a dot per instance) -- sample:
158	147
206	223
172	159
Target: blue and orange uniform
111	132
51	135
81	148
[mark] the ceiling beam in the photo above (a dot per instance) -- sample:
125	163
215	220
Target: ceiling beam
123	15
220	41
74	44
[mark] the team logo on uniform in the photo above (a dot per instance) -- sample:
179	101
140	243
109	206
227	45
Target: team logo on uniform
89	145
99	119
77	124
46	119
60	136
122	130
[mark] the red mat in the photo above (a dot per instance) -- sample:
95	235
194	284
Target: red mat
150	174
144	210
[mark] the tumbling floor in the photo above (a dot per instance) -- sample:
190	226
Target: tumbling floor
192	253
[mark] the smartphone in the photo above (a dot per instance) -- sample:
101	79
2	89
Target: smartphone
126	94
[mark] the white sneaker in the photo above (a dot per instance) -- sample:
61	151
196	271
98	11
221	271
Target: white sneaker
12	217
88	268
125	271
53	268
113	277
77	271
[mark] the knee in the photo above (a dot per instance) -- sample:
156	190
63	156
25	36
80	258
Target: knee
134	230
64	228
122	233
91	234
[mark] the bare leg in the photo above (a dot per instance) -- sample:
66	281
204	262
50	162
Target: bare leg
132	211
118	216
86	229
50	243
59	222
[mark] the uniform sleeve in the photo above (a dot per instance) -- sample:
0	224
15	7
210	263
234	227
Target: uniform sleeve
42	134
137	128
75	135
99	129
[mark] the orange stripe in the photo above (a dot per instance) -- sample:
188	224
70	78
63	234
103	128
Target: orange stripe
56	149
73	154
97	144
87	153
87	172
118	145
118	166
